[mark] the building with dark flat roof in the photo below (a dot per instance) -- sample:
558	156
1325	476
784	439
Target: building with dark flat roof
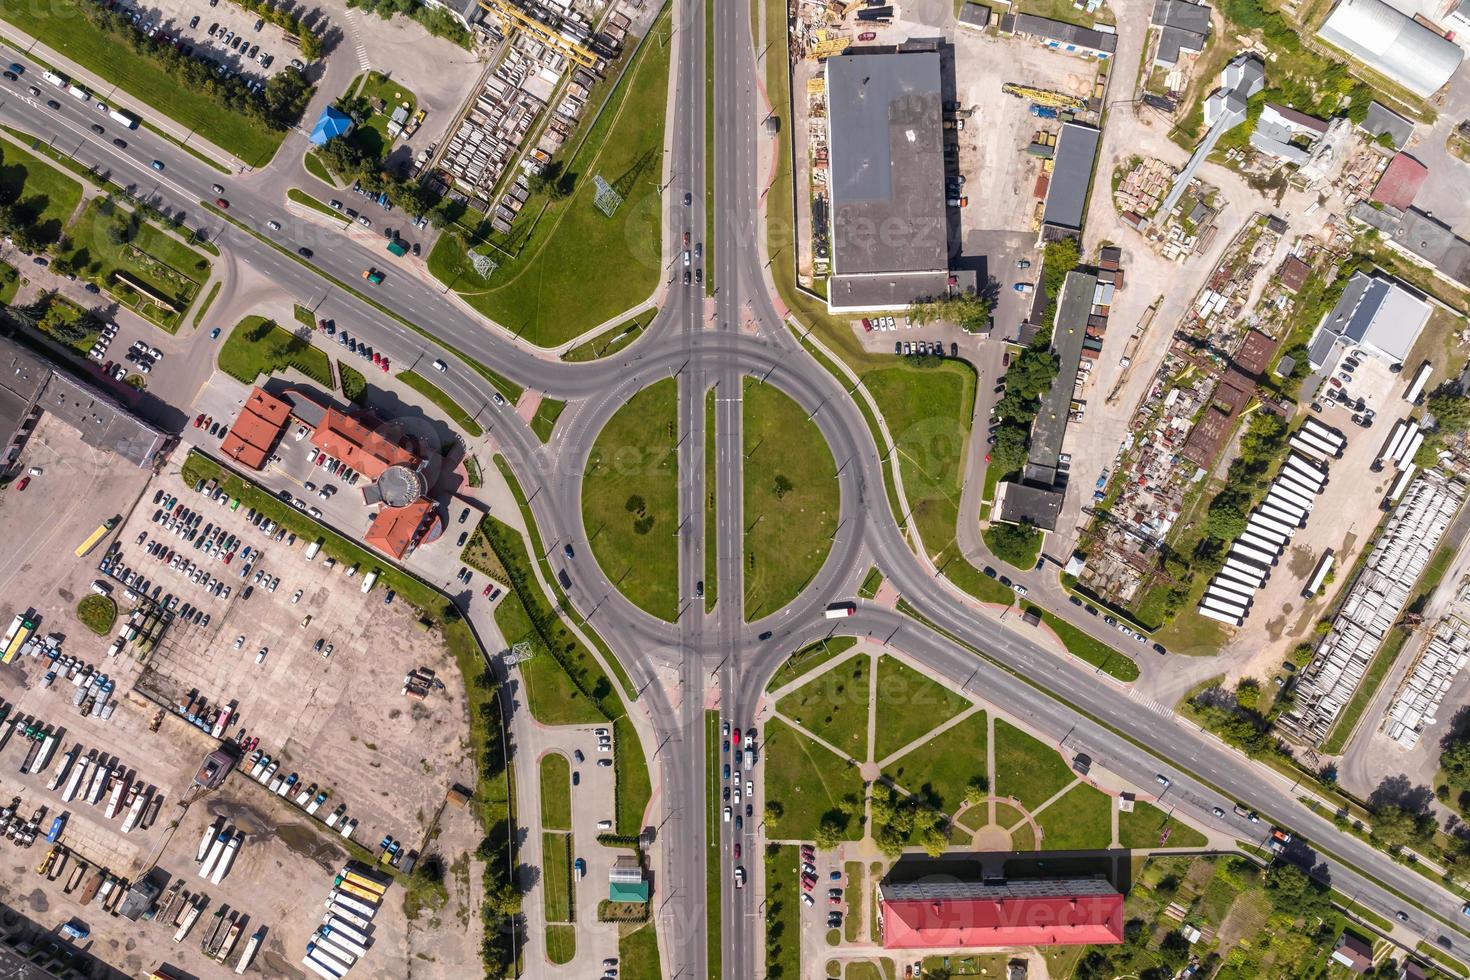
889	226
1420	237
1183	29
1071	176
1383	121
1074	305
1029	912
1058	34
1025	503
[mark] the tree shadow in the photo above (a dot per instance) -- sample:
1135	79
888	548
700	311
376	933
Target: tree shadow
1400	792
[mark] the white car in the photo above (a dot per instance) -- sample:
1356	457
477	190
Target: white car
260	657
604	747
727	814
239	641
273	225
296	597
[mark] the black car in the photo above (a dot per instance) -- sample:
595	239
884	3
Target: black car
97	129
194	22
688	199
52	104
464	536
12	76
686	277
415	249
304	252
766	635
464	515
989	572
121	144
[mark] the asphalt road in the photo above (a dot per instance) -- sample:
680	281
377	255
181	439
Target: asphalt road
704	344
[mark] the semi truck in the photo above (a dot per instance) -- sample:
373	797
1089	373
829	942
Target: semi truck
840	610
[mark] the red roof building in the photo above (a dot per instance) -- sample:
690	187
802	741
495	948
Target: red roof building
1400	183
341	436
1032	912
395	530
256	429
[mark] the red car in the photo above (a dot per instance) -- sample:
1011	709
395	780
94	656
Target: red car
199	420
222	204
384	365
735	738
686	239
487	590
25	481
737	850
867	325
377	358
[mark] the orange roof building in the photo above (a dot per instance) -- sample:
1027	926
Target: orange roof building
395	530
361	448
256	429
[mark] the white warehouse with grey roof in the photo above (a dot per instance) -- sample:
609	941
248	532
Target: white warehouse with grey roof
1375	312
1392	43
890	241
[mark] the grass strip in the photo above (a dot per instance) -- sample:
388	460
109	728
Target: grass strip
1443	959
354	385
556	873
543	423
709	147
204	306
638	953
508	388
611	341
556	792
872	582
1088	648
297	196
630	767
561	943
783	912
447	405
509	476
713	893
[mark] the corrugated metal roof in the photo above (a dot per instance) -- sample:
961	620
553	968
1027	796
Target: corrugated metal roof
1390	42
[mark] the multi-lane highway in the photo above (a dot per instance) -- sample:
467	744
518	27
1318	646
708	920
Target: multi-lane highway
715	342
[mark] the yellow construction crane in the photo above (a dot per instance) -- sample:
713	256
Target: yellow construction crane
512	18
1044	96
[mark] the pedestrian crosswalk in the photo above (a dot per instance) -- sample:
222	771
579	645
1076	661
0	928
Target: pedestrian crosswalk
362	55
1153	705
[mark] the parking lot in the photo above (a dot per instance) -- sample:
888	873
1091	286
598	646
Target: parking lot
241	40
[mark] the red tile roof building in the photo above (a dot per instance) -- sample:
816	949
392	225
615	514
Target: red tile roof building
1400	183
256	429
358	446
1031	912
395	530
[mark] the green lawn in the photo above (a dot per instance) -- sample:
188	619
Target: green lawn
1029	770
298	196
942	767
1020	555
1080	820
638	953
809	782
318	169
561	943
46	196
447	405
872	582
782	913
110	242
544	421
97	613
1142	828
1085	647
354	385
908	704
611	341
550	693
556	876
545	290
712	817
631	769
791	499
257	346
9	283
556	792
834	707
809	658
59	25
630	499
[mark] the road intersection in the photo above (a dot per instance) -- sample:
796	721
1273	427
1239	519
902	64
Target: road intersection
715	342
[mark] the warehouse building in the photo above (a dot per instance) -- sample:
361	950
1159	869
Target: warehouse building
1393	44
1375	312
1420	238
890	227
975	915
1184	28
1071	176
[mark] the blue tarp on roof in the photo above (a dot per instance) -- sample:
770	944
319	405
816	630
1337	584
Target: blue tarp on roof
333	122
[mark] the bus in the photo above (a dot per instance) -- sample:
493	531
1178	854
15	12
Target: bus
374	886
27	627
95	538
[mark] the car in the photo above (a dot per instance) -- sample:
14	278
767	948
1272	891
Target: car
157	164
604	763
17	69
414	249
98	129
53	104
1162	780
1401	915
688	199
867	36
222	204
273	225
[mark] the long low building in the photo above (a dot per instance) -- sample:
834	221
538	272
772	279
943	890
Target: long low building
1031	912
1393	44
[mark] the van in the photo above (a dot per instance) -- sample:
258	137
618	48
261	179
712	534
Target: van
78	93
440	366
58	80
604	825
313	548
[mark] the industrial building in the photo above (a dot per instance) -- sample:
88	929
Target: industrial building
1373	604
1031	912
1286	134
1071	176
1420	238
1375	312
1392	44
393	474
1062	36
1400	182
1225	109
889	226
30	387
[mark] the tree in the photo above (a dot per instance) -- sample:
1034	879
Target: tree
829	831
781	486
1014	544
1455	759
635	504
1008	454
1450	408
1395	826
312	45
1264	436
1224	520
977	790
